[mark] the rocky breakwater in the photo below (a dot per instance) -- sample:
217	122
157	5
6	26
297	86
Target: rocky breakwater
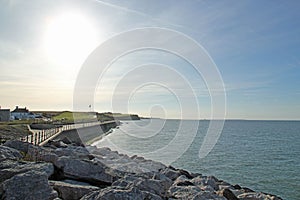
63	170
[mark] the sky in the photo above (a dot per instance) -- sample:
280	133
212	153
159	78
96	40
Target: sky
255	46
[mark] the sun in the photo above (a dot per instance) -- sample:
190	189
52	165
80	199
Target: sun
69	39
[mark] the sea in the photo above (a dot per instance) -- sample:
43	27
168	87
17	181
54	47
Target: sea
261	155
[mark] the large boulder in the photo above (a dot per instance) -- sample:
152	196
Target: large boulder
121	162
85	170
228	194
72	190
206	195
185	188
32	185
145	184
112	193
171	173
203	181
18	145
9	153
257	196
10	168
72	151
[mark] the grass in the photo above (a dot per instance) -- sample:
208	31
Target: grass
18	122
70	117
12	132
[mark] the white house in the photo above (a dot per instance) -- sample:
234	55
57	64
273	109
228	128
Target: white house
21	113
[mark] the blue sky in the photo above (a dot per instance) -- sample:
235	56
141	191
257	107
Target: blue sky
254	44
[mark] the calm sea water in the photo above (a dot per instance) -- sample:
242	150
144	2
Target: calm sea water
262	155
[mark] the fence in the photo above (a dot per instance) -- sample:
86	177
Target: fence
37	137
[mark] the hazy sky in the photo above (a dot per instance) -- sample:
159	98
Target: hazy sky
255	45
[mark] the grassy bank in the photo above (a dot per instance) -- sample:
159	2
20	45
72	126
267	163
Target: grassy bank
12	132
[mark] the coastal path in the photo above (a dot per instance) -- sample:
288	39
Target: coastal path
41	137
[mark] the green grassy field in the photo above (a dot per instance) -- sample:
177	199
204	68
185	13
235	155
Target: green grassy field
71	117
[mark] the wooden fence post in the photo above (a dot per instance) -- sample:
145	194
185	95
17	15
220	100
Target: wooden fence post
35	136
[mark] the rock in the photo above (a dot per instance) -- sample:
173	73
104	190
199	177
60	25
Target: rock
152	186
148	195
227	194
180	179
206	180
66	140
124	163
183	192
72	151
157	187
185	183
9	168
246	190
58	143
205	195
224	185
116	193
73	190
18	145
170	173
185	173
37	153
84	170
237	187
9	153
197	188
122	176
257	196
30	185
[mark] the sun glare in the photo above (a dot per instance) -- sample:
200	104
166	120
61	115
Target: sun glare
69	39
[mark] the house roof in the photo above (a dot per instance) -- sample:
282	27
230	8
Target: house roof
21	110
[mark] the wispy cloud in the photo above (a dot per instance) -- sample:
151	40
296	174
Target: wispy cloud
139	13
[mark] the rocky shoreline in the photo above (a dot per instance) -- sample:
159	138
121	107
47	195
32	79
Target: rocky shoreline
65	170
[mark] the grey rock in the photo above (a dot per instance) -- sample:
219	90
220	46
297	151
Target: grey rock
206	180
185	173
148	195
72	190
9	168
18	145
227	194
32	185
170	173
125	163
84	170
152	186
257	196
9	153
143	183
37	153
72	151
116	193
58	144
185	188
205	195
66	140
237	187
183	192
224	185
